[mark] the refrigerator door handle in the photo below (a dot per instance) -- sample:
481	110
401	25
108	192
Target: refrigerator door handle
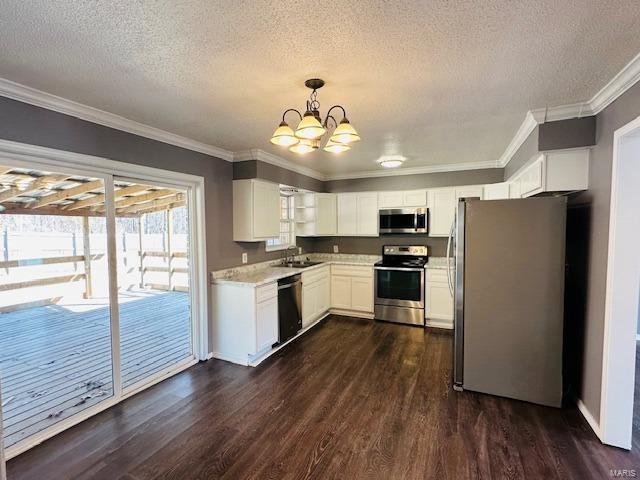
449	243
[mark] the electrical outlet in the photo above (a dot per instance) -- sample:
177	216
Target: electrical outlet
244	258
335	249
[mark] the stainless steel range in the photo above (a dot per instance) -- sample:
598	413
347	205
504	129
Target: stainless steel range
399	284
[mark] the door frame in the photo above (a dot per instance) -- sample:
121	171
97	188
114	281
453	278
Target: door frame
619	345
196	335
3	470
37	157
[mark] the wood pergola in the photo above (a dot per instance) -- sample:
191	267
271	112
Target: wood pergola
31	192
41	193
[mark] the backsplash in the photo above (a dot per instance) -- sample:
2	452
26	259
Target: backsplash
373	245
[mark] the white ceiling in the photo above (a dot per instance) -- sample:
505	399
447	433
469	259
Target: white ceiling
451	80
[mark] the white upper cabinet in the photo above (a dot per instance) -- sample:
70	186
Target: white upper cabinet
367	214
326	214
358	214
390	199
408	198
496	191
256	210
531	178
564	171
442	208
347	214
514	189
469	191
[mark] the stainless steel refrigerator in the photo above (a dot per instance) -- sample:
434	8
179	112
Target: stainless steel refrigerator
509	297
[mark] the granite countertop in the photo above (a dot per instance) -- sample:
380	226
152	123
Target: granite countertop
268	272
438	263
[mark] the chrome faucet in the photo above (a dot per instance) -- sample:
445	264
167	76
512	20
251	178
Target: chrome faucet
289	258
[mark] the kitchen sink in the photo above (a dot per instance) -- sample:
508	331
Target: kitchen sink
299	264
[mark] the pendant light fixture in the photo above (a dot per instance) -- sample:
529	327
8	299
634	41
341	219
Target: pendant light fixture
309	132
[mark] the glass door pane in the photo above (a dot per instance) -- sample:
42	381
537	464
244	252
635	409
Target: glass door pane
152	237
55	318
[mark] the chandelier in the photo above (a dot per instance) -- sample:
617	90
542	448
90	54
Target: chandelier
312	128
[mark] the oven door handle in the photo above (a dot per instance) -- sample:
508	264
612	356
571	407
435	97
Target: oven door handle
399	269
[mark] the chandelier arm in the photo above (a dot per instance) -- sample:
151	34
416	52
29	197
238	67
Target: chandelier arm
330	117
344	114
291	110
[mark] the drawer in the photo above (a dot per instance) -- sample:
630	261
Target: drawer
352	270
266	292
436	275
315	275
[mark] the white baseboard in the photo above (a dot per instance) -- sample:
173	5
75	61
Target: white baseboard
595	426
351	313
229	358
446	324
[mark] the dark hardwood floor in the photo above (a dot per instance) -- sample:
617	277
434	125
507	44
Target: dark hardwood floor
350	399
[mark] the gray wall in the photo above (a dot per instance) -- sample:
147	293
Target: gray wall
273	173
373	245
593	207
571	133
558	135
526	151
26	123
424	180
21	122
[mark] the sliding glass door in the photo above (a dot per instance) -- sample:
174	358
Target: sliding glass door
152	238
56	337
97	293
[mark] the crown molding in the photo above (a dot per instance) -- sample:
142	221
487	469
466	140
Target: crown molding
624	79
258	154
42	99
528	125
619	84
394	172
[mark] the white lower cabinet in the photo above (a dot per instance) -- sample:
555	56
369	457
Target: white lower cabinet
362	294
341	292
266	324
352	288
316	295
245	321
438	299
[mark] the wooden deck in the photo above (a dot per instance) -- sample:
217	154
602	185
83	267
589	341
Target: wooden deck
56	360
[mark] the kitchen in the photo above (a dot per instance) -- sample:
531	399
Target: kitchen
394	243
247	327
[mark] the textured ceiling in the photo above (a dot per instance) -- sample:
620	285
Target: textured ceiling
451	80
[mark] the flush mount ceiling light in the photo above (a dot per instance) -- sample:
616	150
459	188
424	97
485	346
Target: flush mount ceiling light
309	132
391	161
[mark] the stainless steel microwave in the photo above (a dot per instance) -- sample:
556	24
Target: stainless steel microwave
404	220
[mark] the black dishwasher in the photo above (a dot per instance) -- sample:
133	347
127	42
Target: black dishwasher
289	307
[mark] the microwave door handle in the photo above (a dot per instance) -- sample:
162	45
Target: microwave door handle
415	220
